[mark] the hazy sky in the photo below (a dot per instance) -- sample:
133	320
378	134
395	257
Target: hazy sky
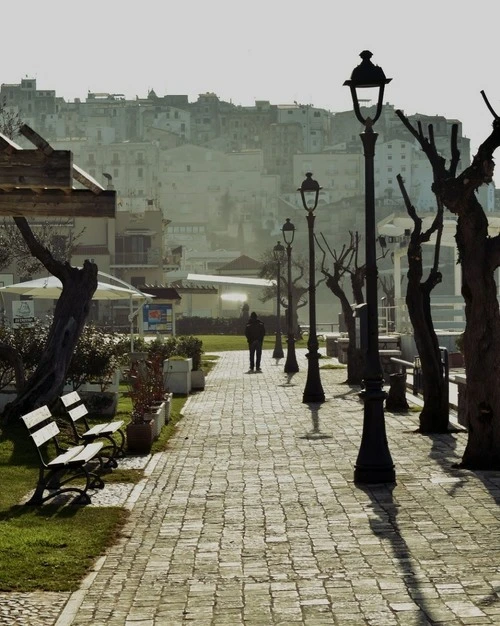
439	53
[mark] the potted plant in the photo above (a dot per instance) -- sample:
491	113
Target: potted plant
140	433
192	347
157	408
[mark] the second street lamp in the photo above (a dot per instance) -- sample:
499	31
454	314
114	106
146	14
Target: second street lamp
291	365
374	463
313	391
279	257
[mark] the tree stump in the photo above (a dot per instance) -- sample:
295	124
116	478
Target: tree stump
396	398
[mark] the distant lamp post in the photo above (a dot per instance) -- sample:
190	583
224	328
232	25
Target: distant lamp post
313	391
291	365
279	257
374	463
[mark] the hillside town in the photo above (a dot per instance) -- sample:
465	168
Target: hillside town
204	187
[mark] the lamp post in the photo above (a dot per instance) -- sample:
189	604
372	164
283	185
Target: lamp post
374	463
279	257
291	365
313	391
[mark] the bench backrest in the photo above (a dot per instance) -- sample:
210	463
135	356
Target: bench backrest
74	405
41	434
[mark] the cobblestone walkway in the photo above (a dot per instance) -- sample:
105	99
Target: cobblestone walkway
252	517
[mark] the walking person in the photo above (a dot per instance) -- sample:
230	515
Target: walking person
255	332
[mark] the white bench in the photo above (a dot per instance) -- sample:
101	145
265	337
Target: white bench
110	431
68	464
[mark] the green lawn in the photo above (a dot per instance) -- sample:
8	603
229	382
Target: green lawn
226	343
52	547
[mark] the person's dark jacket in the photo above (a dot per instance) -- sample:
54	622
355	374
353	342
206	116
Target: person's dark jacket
255	331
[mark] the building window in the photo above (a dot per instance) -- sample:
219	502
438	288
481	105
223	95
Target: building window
139	172
116	173
188	168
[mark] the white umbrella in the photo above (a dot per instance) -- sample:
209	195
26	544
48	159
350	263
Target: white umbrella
50	288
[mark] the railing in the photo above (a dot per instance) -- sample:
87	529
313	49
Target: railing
417	385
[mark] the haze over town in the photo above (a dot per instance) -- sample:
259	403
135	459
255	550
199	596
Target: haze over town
282	51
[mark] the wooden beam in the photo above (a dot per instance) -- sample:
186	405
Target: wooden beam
55	202
32	169
36	139
78	174
7	145
86	179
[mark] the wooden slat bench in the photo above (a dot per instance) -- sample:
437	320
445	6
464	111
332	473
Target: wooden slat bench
55	472
83	433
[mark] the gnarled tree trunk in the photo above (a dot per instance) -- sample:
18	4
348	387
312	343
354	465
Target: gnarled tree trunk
71	312
479	256
434	417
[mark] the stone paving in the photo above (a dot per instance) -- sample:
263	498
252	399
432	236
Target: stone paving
252	517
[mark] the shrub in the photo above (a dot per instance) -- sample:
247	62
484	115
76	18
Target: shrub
190	347
96	358
29	343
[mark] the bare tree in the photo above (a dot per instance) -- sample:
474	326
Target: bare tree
479	255
434	417
299	290
346	262
10	122
58	235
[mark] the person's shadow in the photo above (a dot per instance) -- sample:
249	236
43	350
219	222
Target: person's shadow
288	382
315	433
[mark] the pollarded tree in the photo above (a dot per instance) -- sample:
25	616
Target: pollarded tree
434	417
479	255
299	290
346	262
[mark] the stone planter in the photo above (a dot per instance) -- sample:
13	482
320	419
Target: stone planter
102	403
139	438
177	375
157	416
112	385
197	379
168	406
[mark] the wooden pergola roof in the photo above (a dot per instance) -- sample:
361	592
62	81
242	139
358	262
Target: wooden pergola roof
39	182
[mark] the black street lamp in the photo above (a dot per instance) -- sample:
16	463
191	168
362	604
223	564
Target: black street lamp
291	365
279	257
374	463
313	391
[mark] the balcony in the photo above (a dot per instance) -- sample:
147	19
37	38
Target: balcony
148	258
